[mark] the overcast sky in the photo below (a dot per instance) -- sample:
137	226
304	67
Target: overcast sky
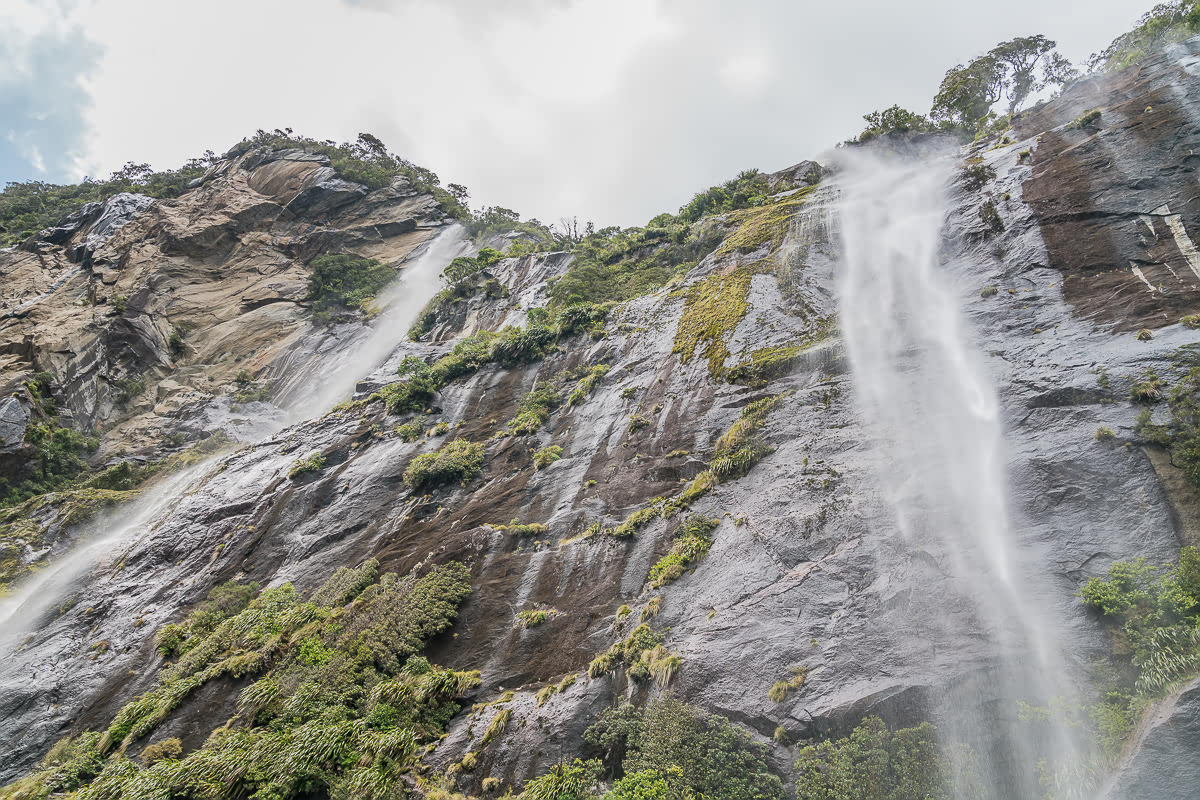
613	110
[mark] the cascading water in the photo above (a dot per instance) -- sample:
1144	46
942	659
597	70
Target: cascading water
926	395
328	376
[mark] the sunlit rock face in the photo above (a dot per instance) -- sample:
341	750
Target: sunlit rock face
1083	232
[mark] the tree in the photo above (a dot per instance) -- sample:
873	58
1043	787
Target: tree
893	120
968	93
1161	25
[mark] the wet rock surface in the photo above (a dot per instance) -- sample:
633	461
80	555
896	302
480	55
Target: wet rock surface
809	565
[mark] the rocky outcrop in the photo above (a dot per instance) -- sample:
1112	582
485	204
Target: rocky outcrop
808	567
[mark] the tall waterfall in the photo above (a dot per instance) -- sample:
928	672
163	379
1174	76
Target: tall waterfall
329	376
926	395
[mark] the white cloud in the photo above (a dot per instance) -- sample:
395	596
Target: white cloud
614	110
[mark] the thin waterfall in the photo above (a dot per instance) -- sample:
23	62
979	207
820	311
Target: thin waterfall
331	377
929	401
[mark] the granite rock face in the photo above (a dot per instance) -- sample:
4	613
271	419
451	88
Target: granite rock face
808	567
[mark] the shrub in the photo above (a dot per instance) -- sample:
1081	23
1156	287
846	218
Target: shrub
1144	335
167	748
694	753
529	529
458	460
1105	434
575	781
441	429
1191	321
346	281
546	456
637	422
533	618
1147	390
874	763
975	176
587	384
893	120
411	431
989	291
991	217
304	466
1085	119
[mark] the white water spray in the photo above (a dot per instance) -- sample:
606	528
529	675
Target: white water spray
927	396
331	376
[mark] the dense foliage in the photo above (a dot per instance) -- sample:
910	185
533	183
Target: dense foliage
673	743
1181	433
1155	616
343	281
32	206
1162	25
57	459
341	702
874	763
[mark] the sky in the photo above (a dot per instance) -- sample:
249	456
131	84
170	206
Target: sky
608	110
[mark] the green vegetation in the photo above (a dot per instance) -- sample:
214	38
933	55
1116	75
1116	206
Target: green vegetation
1191	321
341	281
713	307
695	754
991	217
463	276
975	176
1144	335
312	463
534	409
780	689
693	538
577	781
546	692
874	763
224	601
766	363
515	528
1148	390
1085	119
1181	434
411	431
535	617
1155	617
989	291
547	456
894	120
1105	434
340	705
967	93
32	206
637	422
458	460
57	463
587	383
1164	24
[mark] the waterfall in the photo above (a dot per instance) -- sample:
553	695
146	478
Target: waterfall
327	377
927	398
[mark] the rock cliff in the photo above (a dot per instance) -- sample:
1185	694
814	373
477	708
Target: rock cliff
144	313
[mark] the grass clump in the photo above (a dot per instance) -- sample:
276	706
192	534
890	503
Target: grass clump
533	618
167	748
1192	321
780	689
587	383
1105	434
693	538
312	463
1085	119
1144	335
533	410
1147	390
989	291
458	460
516	528
637	422
695	754
546	456
411	431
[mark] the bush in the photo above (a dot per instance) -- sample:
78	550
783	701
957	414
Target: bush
167	748
692	752
304	466
458	460
346	281
1105	434
546	456
874	763
534	409
893	120
989	291
576	781
1085	119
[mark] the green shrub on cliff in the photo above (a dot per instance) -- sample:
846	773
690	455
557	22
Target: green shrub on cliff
1181	434
458	460
875	763
695	754
345	281
1162	25
341	705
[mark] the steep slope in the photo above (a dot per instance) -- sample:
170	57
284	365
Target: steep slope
725	396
